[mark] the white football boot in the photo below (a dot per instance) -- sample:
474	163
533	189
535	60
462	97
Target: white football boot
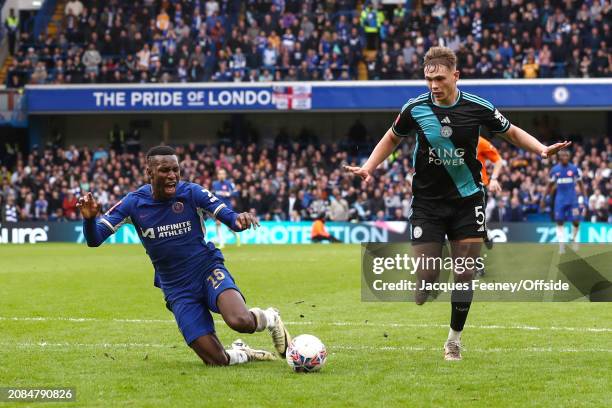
253	354
278	332
452	350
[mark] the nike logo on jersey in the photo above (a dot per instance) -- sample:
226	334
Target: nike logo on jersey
446	120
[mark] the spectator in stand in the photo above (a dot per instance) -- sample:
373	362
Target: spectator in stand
10	211
39	76
501	213
69	206
92	59
530	68
598	207
339	207
73	7
162	22
12	28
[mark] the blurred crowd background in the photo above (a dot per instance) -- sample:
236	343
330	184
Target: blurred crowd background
150	41
287	180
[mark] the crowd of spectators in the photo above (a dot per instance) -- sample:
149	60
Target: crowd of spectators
284	181
150	41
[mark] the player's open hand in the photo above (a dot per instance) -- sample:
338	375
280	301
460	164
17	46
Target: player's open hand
494	186
552	149
245	221
89	206
361	172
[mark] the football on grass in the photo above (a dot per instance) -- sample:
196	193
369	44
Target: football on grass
306	353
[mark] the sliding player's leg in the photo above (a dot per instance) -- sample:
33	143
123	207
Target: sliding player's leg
197	326
224	297
231	306
211	351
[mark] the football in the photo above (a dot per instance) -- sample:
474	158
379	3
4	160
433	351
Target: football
306	353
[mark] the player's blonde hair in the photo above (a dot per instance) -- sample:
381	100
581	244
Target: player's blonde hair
436	56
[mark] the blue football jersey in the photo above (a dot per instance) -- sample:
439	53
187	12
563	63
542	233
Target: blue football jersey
565	178
172	231
224	190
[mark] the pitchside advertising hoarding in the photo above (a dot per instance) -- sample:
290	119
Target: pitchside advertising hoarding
306	96
299	233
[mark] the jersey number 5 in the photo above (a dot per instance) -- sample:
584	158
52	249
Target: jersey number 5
480	215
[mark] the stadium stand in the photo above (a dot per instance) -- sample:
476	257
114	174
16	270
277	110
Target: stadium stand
287	181
152	41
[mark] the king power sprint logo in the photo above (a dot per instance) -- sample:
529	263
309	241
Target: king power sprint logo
23	235
446	156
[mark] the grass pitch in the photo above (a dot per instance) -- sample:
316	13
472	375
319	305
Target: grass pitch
91	319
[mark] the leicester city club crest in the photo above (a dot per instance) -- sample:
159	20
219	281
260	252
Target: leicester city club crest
446	131
178	207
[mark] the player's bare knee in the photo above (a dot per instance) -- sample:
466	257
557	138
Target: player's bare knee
242	322
465	276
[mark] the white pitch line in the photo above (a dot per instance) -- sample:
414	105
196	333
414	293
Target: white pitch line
338	323
332	348
43	344
476	350
84	319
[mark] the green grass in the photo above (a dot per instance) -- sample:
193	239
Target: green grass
381	354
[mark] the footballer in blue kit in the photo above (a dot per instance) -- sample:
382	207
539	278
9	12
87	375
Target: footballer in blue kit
168	215
564	177
225	190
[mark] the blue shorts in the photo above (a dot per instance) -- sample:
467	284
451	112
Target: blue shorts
192	309
567	212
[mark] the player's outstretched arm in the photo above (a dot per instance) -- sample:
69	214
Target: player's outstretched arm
245	221
210	203
383	149
94	232
524	140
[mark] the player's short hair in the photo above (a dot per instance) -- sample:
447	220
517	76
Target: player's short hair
160	151
444	56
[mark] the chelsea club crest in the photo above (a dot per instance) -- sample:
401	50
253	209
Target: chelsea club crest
178	207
